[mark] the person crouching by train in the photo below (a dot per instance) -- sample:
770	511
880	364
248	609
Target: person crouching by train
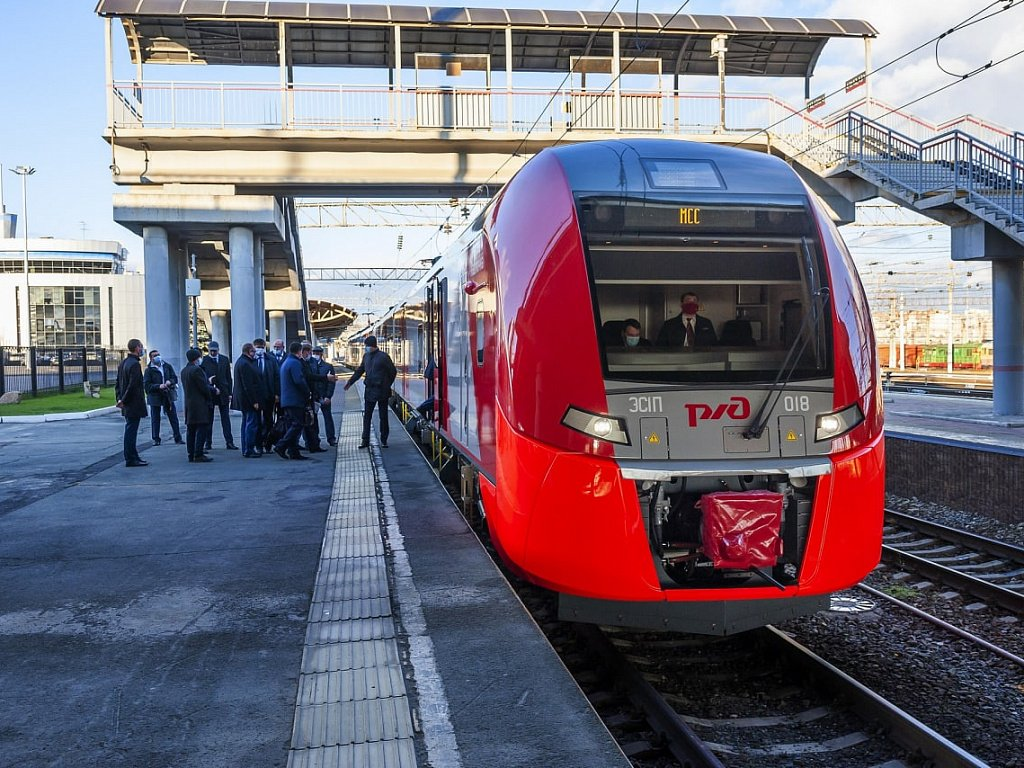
161	385
324	391
198	407
688	329
270	371
248	395
380	374
294	397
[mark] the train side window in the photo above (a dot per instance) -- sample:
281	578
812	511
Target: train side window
480	332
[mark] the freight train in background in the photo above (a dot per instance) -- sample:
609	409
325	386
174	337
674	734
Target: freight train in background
716	483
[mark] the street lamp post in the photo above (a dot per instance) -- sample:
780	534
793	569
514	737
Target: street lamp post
25	171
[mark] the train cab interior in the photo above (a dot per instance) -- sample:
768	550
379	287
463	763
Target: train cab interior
759	290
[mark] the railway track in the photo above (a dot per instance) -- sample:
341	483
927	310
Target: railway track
989	570
757	699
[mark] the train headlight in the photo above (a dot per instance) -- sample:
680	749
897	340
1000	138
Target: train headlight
611	429
832	425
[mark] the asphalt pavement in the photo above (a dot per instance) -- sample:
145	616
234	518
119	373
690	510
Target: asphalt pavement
151	616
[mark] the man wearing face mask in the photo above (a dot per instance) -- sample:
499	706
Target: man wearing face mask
279	353
316	382
324	392
688	330
218	371
270	371
631	335
249	396
161	385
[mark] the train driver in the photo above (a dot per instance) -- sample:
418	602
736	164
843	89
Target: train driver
631	334
688	329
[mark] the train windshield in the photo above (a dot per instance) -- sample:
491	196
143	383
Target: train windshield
709	292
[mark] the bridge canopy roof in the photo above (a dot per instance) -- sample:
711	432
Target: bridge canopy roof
246	32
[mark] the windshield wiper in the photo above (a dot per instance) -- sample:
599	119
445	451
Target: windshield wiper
819	300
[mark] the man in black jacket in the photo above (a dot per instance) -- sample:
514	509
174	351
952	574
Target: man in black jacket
248	396
316	382
688	329
324	392
270	370
218	371
131	399
161	385
198	407
380	375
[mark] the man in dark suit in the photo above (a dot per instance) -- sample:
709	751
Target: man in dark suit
131	399
248	395
161	385
270	370
316	382
688	329
198	407
380	374
218	371
324	392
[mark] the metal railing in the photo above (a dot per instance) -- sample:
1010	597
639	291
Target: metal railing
953	161
915	155
56	369
299	107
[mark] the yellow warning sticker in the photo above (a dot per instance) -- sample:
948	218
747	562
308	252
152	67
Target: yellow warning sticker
791	436
654	439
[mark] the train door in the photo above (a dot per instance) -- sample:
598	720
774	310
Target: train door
439	318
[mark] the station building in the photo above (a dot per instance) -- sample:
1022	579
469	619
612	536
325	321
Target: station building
77	293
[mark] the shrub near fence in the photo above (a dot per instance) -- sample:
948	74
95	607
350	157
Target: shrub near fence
56	369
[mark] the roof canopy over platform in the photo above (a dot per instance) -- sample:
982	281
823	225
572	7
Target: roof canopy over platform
243	32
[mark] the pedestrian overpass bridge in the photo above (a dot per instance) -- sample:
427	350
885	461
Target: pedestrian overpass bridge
212	167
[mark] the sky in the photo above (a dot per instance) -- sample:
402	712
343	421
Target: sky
52	53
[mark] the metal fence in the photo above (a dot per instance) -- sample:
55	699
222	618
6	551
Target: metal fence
56	369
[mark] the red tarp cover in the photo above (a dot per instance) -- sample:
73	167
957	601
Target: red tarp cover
740	529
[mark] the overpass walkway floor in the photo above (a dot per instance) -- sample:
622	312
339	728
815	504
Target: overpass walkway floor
331	612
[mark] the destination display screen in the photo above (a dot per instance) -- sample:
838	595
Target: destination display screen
638	217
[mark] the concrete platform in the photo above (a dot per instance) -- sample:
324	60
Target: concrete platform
960	421
261	612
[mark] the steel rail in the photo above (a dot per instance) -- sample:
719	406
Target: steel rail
904	729
983	590
685	745
955	535
944	625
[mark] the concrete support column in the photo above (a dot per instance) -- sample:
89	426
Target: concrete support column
220	330
278	327
178	343
261	295
243	287
1008	337
160	319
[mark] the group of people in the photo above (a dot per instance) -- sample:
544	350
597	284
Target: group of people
687	330
281	398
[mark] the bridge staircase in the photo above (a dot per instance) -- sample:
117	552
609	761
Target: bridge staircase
953	169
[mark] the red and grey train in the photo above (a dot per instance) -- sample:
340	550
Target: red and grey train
709	485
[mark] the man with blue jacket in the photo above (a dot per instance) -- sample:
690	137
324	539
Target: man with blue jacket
294	396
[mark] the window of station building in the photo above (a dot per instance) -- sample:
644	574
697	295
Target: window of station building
65	316
56	266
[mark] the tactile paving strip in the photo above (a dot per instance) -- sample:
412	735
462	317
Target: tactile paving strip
352	708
